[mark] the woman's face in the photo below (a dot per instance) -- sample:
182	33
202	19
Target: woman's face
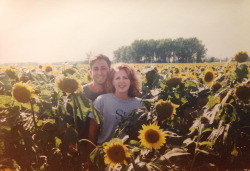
121	82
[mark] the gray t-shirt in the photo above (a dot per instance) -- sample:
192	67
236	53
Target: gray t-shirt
113	111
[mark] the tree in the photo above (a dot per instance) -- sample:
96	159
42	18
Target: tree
164	50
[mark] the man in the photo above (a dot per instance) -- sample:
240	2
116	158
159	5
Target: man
99	69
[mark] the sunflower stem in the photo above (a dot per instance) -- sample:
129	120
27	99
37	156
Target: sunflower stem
74	109
88	141
33	114
79	106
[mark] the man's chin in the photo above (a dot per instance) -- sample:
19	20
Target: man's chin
100	82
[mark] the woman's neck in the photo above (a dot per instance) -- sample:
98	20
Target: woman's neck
123	96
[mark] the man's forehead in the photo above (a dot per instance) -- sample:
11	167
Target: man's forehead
100	63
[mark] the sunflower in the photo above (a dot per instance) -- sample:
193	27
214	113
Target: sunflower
176	71
242	92
115	152
173	82
165	110
22	93
68	70
152	136
87	77
47	68
209	77
216	86
241	57
226	70
24	78
193	76
68	85
202	69
11	73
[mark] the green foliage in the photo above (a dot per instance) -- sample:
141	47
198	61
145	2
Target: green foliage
210	130
162	51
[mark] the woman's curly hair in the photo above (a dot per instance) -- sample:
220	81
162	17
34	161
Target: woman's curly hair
133	76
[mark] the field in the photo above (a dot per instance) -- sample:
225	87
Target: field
196	117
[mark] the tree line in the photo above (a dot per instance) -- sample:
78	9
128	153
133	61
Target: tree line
179	50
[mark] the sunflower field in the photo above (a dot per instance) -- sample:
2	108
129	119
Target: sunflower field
196	116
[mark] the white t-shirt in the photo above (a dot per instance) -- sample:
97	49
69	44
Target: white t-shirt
113	110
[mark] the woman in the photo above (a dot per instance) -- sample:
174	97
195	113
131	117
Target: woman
124	86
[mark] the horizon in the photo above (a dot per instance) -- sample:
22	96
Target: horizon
60	31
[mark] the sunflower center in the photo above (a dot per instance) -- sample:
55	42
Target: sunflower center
116	153
152	136
209	76
21	94
164	111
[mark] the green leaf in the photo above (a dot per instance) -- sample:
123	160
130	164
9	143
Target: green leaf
192	128
234	153
98	116
58	142
206	130
212	100
95	157
134	143
175	152
39	123
210	144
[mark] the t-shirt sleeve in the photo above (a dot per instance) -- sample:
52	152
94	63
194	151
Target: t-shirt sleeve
98	103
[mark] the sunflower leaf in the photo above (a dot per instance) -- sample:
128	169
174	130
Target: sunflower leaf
175	152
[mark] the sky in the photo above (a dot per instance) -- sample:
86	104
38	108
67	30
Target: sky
48	31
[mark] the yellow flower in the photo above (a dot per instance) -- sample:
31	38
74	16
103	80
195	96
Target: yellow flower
87	77
226	70
193	76
68	85
22	92
115	152
176	70
241	57
47	68
152	136
209	77
165	110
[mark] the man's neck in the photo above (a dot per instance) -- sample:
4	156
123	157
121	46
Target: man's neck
97	88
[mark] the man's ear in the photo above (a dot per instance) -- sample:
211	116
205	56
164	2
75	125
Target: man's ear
90	72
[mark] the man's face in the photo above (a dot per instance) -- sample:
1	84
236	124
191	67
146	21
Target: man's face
99	71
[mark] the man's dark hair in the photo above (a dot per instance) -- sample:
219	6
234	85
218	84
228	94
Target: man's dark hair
98	57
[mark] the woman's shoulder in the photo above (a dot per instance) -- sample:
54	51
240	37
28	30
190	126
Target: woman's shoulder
137	99
104	96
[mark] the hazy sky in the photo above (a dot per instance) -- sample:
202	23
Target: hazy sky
65	30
